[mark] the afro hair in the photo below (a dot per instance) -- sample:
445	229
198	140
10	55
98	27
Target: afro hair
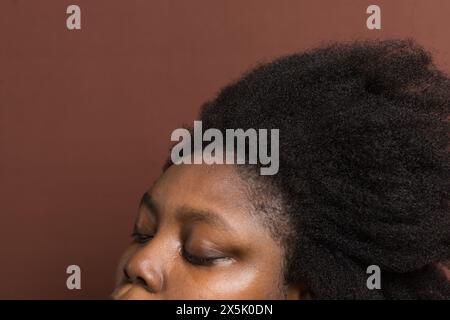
364	164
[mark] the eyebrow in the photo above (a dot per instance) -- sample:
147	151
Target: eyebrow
148	203
187	214
192	215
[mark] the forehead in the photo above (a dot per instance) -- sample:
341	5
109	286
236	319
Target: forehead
215	187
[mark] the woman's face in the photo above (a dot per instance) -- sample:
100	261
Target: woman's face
196	236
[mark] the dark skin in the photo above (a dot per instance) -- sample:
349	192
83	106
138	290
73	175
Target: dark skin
197	236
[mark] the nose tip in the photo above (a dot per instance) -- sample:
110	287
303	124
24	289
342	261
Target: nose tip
142	273
138	280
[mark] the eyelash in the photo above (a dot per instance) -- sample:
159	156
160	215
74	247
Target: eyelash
199	261
190	258
140	237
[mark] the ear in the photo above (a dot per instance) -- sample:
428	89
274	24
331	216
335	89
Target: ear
298	291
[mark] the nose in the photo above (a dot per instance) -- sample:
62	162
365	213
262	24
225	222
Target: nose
145	270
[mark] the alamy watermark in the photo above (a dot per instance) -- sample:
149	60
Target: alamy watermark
231	149
73	281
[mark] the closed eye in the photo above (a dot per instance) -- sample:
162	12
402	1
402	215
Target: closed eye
140	237
203	261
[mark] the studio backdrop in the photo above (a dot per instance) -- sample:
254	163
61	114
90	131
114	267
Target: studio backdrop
86	113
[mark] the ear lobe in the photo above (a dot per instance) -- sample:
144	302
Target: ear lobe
298	291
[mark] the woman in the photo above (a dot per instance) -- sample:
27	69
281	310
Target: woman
364	180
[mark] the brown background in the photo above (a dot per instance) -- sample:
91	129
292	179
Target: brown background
85	116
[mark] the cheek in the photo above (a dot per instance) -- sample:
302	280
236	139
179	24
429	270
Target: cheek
235	282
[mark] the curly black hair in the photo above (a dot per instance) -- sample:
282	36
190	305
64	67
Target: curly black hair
364	173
